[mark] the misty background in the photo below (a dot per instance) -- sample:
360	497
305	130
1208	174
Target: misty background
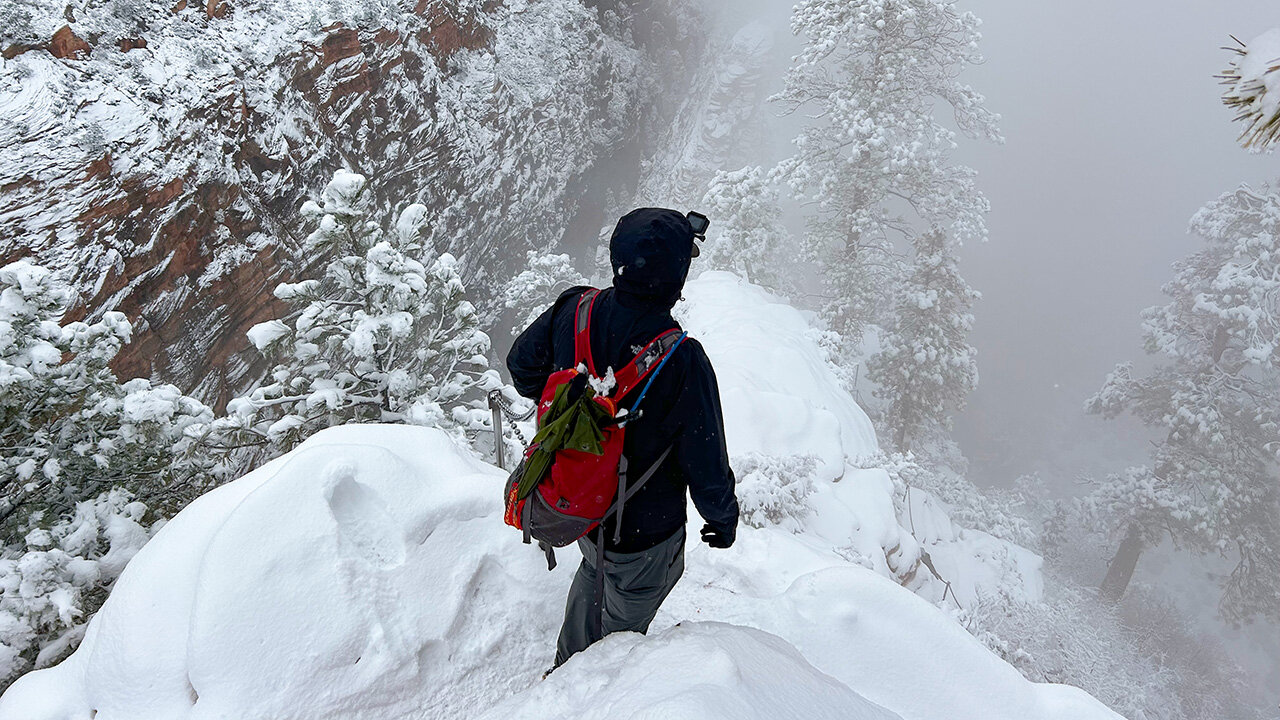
1115	136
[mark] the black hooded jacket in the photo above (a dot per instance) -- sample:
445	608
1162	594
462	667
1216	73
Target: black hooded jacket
650	253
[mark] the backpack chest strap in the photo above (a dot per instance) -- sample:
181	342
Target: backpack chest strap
645	362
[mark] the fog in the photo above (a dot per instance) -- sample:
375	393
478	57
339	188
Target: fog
164	182
1115	137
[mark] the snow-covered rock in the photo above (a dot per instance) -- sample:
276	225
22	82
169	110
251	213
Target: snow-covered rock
368	574
159	168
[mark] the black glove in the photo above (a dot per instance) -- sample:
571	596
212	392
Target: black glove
717	538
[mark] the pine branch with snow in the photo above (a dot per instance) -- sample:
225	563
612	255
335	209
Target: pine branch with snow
71	429
379	337
56	578
79	450
530	292
1253	89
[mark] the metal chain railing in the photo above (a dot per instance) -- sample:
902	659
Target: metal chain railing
924	555
499	406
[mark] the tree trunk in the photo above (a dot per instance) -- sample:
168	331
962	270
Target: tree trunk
901	435
1120	572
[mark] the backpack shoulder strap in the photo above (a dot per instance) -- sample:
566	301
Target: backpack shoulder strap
625	491
582	330
645	361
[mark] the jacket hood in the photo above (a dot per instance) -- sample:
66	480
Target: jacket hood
650	251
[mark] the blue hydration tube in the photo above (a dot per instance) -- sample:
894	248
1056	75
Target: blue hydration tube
657	370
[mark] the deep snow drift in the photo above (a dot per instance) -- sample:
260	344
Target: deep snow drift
368	574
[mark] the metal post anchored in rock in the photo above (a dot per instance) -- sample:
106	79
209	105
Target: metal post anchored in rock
495	405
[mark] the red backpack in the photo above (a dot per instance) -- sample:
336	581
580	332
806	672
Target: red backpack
563	489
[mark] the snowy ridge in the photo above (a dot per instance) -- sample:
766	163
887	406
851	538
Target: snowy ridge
368	575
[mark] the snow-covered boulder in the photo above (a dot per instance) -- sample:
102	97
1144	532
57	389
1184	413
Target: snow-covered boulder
366	574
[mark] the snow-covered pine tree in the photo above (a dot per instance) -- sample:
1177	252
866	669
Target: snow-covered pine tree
380	337
747	236
926	368
545	276
1253	89
875	162
1212	482
70	428
79	451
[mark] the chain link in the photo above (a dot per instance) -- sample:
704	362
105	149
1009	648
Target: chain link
509	411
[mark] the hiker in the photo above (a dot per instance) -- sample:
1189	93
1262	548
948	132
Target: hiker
643	555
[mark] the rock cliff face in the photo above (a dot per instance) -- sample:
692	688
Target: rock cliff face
156	155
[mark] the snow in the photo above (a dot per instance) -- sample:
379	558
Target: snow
778	392
784	404
368	574
265	333
603	385
709	671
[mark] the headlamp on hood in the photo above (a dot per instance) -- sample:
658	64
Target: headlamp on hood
699	223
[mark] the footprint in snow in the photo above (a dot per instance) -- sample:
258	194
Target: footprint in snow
364	521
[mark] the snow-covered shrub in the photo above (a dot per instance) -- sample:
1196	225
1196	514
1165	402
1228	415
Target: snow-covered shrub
843	360
1070	638
381	336
529	293
747	236
774	490
1211	684
53	583
70	432
1253	89
1140	658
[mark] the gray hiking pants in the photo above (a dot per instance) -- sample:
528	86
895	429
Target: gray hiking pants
635	584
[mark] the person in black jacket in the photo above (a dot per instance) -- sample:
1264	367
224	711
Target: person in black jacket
650	252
